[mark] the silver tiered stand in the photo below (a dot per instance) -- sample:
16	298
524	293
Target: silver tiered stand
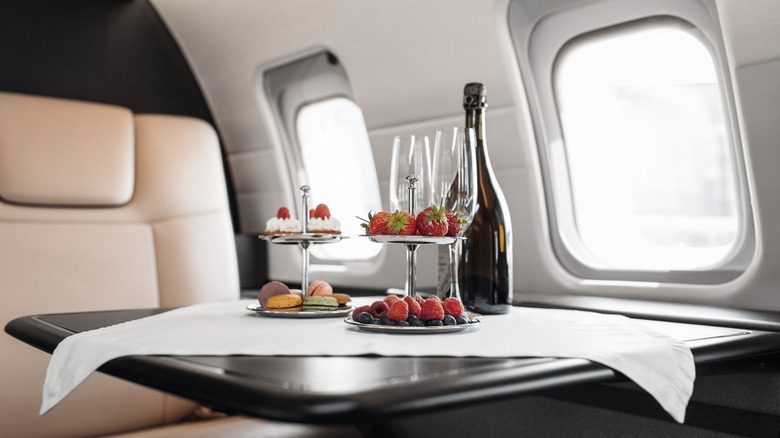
304	239
412	242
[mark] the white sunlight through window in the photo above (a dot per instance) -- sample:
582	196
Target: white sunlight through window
648	150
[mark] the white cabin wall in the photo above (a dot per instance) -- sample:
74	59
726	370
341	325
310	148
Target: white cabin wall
407	63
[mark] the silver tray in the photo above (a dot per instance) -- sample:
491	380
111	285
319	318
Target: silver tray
428	330
413	240
300	314
302	237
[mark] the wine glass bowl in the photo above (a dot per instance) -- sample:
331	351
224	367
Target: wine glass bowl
454	173
411	157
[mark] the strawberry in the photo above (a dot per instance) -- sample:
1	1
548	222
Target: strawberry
390	299
414	306
376	223
432	222
322	211
454	223
399	311
431	309
453	306
359	310
401	223
378	308
283	213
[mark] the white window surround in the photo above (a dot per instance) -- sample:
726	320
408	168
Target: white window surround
538	46
295	88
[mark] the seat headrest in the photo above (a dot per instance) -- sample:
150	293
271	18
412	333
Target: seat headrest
58	152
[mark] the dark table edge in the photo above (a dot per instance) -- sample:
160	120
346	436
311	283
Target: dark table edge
238	395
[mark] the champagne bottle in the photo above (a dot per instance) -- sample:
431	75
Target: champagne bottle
485	271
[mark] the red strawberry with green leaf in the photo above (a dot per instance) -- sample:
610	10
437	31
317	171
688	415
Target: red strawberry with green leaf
432	222
376	223
454	223
401	223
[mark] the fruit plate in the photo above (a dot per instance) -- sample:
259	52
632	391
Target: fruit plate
413	240
302	237
428	330
301	314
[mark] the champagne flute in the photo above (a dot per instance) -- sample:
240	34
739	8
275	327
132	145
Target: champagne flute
455	185
411	157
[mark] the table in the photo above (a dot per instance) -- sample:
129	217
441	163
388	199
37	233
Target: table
357	390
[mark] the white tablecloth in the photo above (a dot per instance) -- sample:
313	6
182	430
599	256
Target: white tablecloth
663	366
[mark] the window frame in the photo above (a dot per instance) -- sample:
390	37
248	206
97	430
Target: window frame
539	45
312	77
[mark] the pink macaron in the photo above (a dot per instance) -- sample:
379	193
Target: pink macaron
319	288
269	290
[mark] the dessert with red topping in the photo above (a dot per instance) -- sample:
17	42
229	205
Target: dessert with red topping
283	223
321	222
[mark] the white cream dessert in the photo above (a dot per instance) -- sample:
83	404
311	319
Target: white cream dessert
282	223
321	222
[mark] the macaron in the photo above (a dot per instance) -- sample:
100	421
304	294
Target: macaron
269	290
320	303
319	288
343	299
284	302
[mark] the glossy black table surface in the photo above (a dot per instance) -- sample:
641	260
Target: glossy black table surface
365	388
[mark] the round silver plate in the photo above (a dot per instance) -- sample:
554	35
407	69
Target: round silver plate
300	314
302	237
413	240
428	330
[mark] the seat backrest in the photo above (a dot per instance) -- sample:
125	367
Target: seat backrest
102	209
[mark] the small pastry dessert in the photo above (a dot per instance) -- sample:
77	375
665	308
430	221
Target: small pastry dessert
319	287
269	290
284	302
343	300
321	222
320	303
282	223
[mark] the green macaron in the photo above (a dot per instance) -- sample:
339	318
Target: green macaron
320	303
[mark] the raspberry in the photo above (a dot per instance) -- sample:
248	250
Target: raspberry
431	309
399	311
414	306
452	306
390	299
434	298
283	213
378	308
419	299
322	211
358	311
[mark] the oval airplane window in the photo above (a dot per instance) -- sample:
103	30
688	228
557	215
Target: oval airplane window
337	160
647	148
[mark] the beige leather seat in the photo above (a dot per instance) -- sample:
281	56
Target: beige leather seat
103	209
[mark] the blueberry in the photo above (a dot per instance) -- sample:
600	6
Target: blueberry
434	322
403	324
364	318
375	321
449	320
462	320
384	320
415	321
